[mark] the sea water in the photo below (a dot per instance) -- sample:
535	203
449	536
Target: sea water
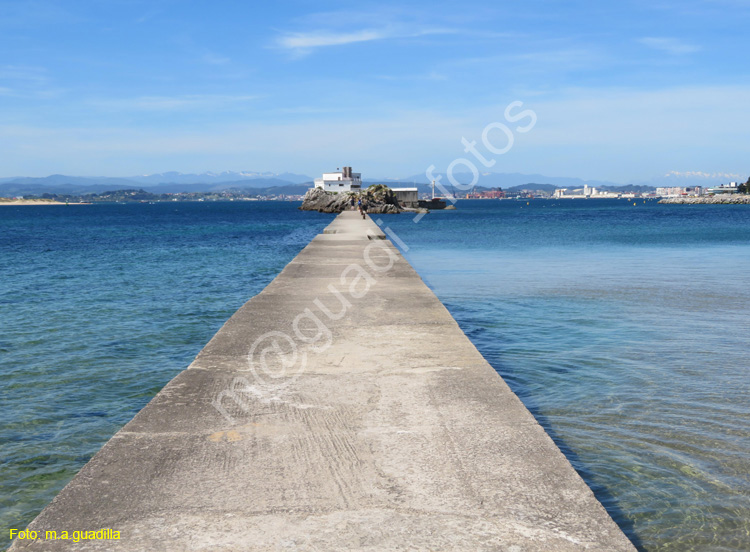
101	305
623	327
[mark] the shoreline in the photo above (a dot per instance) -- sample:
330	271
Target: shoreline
37	202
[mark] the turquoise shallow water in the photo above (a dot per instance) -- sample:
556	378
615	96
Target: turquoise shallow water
624	329
100	306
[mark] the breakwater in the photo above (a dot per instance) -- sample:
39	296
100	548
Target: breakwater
733	199
341	408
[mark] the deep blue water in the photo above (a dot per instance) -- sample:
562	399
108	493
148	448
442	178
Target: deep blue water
624	328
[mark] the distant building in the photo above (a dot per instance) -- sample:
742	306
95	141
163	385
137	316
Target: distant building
407	197
731	188
679	192
343	181
487	194
590	192
578	193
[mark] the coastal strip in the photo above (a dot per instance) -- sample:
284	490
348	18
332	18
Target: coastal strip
10	202
342	408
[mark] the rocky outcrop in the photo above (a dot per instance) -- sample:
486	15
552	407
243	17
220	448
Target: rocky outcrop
709	200
318	200
379	200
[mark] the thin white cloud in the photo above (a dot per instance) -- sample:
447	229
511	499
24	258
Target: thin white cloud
534	60
314	40
213	59
24	73
27	82
562	59
305	42
431	76
171	103
33	13
149	15
671	46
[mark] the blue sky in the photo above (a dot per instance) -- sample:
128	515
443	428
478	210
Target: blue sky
622	91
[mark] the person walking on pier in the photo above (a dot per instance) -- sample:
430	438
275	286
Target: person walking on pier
363	209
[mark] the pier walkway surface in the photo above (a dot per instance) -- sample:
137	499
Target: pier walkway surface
340	409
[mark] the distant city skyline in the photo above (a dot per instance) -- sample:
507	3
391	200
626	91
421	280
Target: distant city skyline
623	93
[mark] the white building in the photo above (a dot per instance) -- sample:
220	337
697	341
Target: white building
343	181
588	192
578	193
731	188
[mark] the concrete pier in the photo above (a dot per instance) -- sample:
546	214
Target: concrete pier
340	409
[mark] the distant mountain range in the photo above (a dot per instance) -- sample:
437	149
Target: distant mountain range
164	183
291	183
252	178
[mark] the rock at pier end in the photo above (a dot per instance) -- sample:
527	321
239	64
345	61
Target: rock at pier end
379	199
